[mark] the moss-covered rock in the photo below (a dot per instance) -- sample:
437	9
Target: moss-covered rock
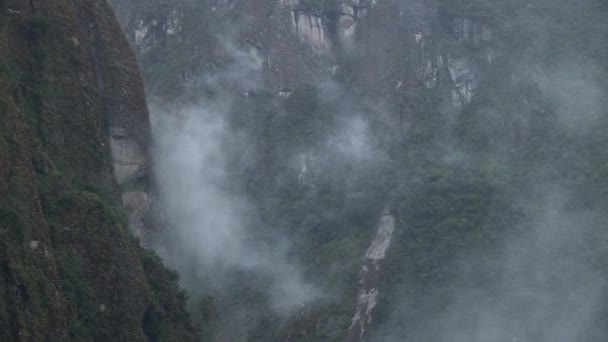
69	268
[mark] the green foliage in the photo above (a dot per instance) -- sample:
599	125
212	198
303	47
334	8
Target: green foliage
4	318
153	324
166	319
208	315
8	71
11	225
37	26
79	293
3	12
84	217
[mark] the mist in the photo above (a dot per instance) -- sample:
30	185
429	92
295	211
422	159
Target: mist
538	277
476	128
216	237
540	283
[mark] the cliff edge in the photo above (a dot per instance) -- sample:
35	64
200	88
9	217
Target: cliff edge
74	132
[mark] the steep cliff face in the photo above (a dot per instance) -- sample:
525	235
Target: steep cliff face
457	116
74	135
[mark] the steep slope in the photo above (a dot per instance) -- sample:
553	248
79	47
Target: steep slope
69	268
478	124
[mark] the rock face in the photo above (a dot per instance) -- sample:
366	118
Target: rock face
74	132
369	279
434	107
311	29
387	49
388	52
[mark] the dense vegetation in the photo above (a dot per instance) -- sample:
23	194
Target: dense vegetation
69	268
469	184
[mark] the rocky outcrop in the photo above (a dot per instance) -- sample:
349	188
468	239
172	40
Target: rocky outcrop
74	133
370	279
465	80
314	26
311	29
123	104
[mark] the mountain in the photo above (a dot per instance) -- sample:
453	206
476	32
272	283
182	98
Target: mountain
314	170
74	138
382	170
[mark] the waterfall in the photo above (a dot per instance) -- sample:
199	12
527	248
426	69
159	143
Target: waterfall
367	293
